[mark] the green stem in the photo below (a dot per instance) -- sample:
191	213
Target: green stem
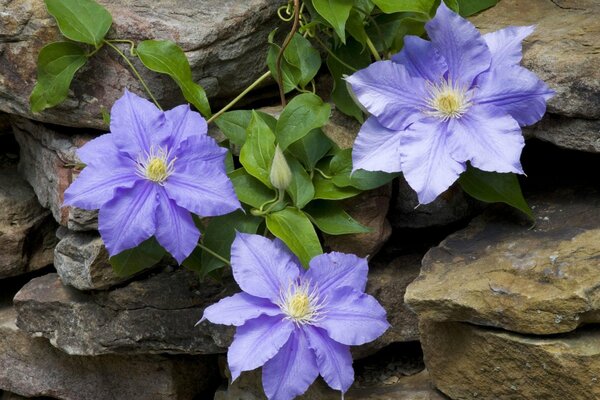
217	256
130	42
135	71
323	174
373	49
332	54
240	96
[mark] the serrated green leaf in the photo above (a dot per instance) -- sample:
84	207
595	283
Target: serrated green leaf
250	190
330	218
470	7
294	228
340	168
57	64
336	13
257	153
311	148
301	189
494	187
325	189
301	54
132	261
83	21
303	114
394	6
165	57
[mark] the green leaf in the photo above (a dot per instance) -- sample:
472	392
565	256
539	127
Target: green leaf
394	6
340	168
301	189
257	153
250	190
330	218
325	189
303	114
302	55
291	75
453	5
83	21
294	228
165	57
494	187
233	124
311	148
336	13
470	7
57	64
132	261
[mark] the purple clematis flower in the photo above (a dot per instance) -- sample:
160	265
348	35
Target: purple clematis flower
439	104
149	173
296	323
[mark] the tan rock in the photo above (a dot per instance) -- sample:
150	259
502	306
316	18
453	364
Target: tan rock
504	273
468	362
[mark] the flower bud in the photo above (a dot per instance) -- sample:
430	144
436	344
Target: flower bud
281	175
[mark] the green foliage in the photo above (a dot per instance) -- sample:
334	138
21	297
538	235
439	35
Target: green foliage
329	217
132	261
83	21
259	149
165	57
303	114
493	187
250	190
57	64
336	13
470	7
340	168
394	6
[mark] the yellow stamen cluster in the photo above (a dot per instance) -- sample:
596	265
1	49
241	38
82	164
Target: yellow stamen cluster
156	165
447	100
301	303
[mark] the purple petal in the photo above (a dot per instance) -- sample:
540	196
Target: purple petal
516	91
175	228
376	148
461	45
333	270
198	149
505	45
256	342
100	151
388	92
291	371
333	359
239	308
353	318
202	188
489	139
137	124
184	124
427	163
421	59
129	218
260	267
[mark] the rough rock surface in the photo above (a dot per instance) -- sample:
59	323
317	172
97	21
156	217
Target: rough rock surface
32	367
370	209
468	362
225	41
387	283
568	133
564	50
47	160
499	272
155	315
81	261
26	229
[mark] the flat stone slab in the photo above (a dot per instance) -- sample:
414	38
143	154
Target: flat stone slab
470	362
504	273
31	367
153	315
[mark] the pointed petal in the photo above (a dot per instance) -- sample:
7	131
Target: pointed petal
506	45
489	139
202	188
388	91
333	270
461	45
516	91
291	371
256	342
239	308
129	218
421	59
333	359
100	151
426	159
137	124
260	267
198	149
184	124
376	148
353	318
175	228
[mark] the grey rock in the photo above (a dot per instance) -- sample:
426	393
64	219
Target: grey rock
154	315
31	367
225	42
26	229
568	133
81	261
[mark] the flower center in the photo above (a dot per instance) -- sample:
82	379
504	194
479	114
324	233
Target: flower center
155	165
301	303
447	100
